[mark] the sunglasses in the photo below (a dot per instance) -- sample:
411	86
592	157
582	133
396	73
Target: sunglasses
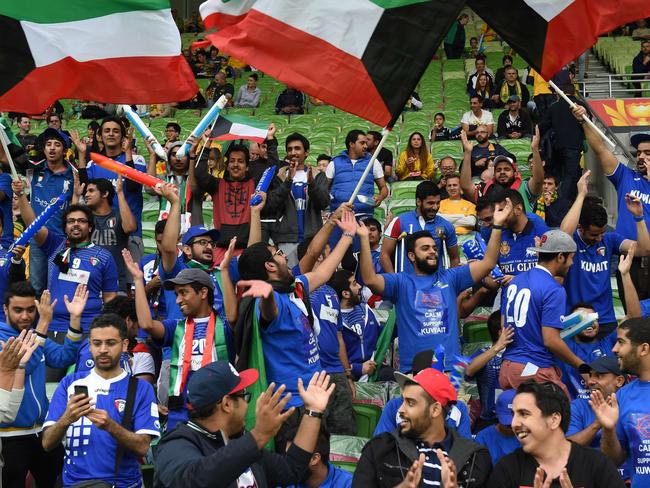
246	395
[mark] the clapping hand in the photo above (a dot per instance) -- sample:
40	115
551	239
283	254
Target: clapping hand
318	392
268	414
634	205
625	261
605	409
79	300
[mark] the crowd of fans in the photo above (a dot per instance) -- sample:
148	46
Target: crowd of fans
271	316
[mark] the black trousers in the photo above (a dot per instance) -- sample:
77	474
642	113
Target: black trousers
24	454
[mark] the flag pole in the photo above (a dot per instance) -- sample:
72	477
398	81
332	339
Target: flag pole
385	131
5	146
589	122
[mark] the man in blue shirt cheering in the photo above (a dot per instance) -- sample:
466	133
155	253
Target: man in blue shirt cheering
426	298
533	305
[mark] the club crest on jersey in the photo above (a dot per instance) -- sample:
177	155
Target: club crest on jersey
120	405
94	261
111	222
600	251
505	248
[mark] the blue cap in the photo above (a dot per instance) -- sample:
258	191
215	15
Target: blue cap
602	364
50	133
503	407
216	380
199	230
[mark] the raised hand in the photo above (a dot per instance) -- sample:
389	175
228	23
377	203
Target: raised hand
78	142
348	223
502	212
467	145
268	414
119	186
634	205
605	409
448	470
625	261
18	186
255	288
131	265
338	213
362	230
79	300
414	474
578	111
10	354
583	183
227	257
29	341
168	191
318	391
45	308
534	142
505	338
259	206
270	134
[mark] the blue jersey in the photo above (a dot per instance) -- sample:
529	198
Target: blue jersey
133	198
582	416
90	451
289	342
46	187
458	418
426	311
514	256
633	429
325	305
409	222
588	279
299	194
92	266
626	180
360	329
645	308
336	478
6	207
151	267
532	300
498	444
487	381
588	352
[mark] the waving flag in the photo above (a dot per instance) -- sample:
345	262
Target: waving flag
119	51
363	56
232	127
550	34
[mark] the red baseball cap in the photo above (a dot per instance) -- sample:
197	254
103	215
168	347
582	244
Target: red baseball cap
434	382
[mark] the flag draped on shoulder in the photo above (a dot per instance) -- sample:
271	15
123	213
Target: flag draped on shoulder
550	34
232	127
119	51
362	56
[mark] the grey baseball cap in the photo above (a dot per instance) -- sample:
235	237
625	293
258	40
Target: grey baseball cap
555	241
190	275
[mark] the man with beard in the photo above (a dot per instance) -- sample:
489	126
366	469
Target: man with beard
606	377
448	167
533	305
199	338
424	218
422	447
385	156
477	117
73	260
485	151
546	458
589	279
21	439
360	327
624	415
277	304
502	173
426	298
87	412
626	181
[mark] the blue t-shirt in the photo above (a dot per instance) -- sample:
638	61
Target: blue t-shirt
92	265
633	429
360	329
498	444
588	279
458	418
514	257
133	198
336	478
6	206
90	451
409	222
487	381
626	180
532	300
85	361
582	416
299	193
588	352
46	187
289	342
645	308
325	305
426	311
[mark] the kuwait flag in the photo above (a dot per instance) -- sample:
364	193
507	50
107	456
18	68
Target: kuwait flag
550	34
363	56
232	127
119	51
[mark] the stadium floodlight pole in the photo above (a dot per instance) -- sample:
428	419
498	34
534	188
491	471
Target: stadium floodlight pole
589	122
385	131
5	146
207	119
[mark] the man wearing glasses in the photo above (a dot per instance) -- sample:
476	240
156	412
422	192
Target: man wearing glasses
73	260
627	181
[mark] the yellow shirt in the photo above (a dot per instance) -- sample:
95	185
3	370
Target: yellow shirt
403	171
540	85
461	213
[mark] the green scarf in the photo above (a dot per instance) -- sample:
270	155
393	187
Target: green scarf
504	93
185	193
540	208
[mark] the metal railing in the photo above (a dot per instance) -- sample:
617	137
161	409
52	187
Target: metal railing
618	86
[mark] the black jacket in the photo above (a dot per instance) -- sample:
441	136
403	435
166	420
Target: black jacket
568	133
192	457
386	459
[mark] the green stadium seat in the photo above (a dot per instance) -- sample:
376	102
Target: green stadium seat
349	466
370	393
476	332
367	418
346	448
403	189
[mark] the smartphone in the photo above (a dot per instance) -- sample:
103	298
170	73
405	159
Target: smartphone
80	390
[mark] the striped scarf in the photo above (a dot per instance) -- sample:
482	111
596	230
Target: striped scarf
540	208
504	93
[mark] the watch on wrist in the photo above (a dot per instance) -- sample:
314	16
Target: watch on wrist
497	226
314	413
21	366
